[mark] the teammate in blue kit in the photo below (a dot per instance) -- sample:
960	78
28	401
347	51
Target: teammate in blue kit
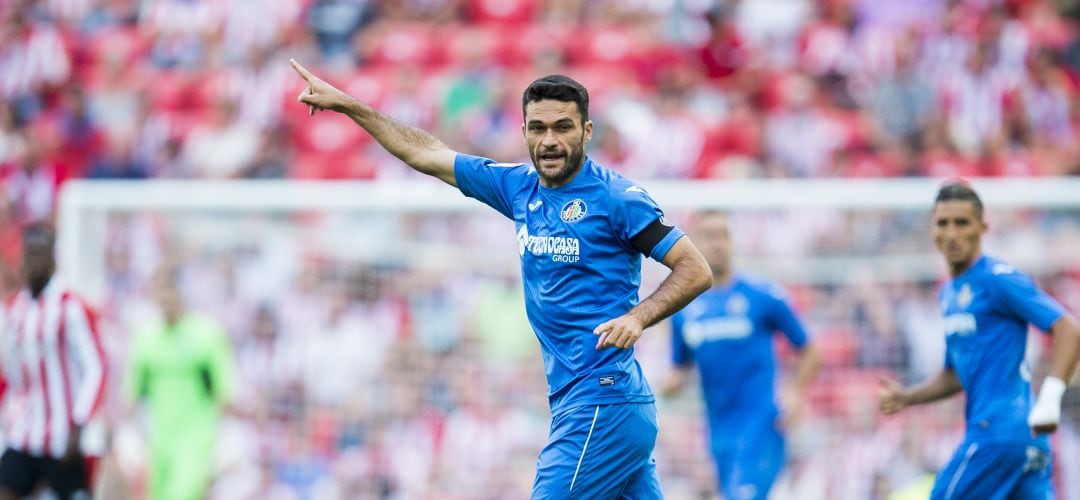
988	305
582	230
728	333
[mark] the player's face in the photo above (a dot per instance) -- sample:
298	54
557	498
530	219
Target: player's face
556	139
713	238
37	264
957	229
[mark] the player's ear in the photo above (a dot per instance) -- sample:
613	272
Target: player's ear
588	131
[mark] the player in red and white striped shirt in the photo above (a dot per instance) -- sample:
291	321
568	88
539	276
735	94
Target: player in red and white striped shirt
55	369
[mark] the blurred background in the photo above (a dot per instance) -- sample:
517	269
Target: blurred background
381	349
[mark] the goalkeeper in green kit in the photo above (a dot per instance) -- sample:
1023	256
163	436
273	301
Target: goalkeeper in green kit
181	371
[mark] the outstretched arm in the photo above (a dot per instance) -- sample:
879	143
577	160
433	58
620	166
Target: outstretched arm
895	397
417	148
690	276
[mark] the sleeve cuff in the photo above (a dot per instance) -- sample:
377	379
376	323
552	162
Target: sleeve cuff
664	246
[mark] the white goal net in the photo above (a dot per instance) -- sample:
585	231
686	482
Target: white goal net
381	348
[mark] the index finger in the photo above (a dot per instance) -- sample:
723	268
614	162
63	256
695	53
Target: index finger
304	73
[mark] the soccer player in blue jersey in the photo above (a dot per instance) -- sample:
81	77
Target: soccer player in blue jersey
728	333
582	230
988	305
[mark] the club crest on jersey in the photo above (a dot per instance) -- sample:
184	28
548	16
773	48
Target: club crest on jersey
963	299
737	304
573	211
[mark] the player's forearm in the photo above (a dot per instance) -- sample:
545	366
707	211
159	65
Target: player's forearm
807	368
675	381
1066	348
417	148
689	277
943	385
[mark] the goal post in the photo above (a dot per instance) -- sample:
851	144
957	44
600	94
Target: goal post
85	204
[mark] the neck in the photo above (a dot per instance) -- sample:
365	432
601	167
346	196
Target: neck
958	268
172	319
37	287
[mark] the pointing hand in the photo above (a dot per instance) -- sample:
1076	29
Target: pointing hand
318	94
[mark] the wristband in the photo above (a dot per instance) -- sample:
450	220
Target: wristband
1052	389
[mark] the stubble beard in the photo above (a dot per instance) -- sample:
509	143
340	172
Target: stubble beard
575	159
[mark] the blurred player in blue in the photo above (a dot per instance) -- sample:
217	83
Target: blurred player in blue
582	230
728	333
988	305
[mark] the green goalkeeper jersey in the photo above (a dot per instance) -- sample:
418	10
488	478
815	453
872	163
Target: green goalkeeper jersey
183	372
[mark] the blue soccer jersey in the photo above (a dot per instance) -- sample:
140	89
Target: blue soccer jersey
728	333
987	311
579	269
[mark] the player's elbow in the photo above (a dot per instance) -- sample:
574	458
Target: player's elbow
705	282
810	352
811	357
702	277
1068	327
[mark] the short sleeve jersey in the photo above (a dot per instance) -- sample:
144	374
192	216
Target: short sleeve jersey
578	266
987	311
728	333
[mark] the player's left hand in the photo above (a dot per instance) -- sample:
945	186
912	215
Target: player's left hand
621	332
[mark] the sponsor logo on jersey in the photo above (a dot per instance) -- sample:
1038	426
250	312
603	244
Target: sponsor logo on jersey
962	324
535	205
607	380
724	328
635	189
1003	268
573	211
560	248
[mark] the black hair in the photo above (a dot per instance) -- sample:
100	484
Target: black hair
558	88
960	191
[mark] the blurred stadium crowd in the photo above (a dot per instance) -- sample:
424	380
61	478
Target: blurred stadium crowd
722	89
377	379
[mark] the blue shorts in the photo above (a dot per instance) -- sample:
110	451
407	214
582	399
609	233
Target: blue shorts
748	463
991	471
600	452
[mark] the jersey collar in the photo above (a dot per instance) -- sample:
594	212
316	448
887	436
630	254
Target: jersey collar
978	264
